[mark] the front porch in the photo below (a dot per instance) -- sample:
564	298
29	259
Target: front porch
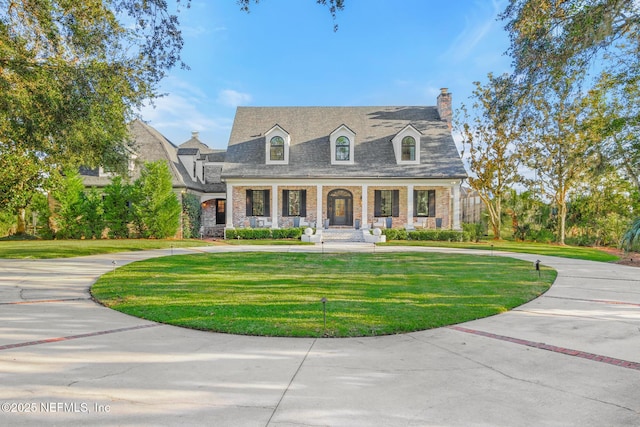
375	204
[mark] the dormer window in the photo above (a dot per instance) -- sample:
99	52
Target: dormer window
342	146
343	149
406	145
277	148
408	148
277	142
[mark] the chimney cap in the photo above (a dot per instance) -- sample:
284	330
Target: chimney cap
194	134
444	90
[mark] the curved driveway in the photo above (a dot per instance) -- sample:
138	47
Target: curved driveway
569	358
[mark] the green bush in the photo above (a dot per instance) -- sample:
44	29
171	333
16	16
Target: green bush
264	233
287	233
395	234
439	235
475	230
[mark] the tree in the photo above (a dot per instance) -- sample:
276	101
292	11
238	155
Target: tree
155	202
93	214
333	5
116	205
556	147
613	126
551	39
191	211
22	177
631	239
489	140
72	73
68	212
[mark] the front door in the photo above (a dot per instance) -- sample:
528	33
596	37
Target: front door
221	216
340	208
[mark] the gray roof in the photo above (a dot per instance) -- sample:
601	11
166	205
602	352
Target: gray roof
149	146
188	151
194	142
309	155
216	156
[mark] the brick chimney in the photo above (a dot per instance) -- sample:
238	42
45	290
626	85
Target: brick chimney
444	106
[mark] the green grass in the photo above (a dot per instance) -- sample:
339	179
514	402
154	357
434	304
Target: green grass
566	251
263	242
279	294
39	249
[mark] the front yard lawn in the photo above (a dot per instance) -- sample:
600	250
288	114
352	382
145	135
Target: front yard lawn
279	294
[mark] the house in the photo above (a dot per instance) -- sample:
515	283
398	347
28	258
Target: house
194	167
348	167
355	167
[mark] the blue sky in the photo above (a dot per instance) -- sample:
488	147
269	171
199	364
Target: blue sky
285	53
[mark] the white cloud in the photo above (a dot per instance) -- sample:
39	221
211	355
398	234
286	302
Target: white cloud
184	109
476	30
233	98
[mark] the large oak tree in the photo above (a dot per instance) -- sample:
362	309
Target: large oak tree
72	74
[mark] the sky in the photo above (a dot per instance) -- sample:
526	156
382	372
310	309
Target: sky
286	53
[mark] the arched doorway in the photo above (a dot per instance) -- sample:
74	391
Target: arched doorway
340	207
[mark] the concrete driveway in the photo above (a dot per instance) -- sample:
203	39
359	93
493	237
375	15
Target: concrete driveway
569	358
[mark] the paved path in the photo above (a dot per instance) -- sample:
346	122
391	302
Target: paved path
569	358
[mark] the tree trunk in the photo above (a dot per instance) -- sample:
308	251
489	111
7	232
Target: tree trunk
22	222
562	219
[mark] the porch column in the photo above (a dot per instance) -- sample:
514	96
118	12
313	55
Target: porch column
274	206
410	214
229	206
365	202
319	218
455	194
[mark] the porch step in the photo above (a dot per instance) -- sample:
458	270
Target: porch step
342	235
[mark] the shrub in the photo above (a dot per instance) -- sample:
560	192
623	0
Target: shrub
439	235
395	234
287	233
475	230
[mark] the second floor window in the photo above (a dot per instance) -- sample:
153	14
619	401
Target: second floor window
343	148
408	148
277	148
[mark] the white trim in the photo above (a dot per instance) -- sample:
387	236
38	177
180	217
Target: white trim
455	195
411	131
343	182
268	136
342	130
365	201
319	208
410	213
274	206
229	206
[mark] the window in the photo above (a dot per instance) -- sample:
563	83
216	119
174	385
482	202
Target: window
294	203
424	203
342	143
343	148
408	148
406	145
277	148
277	142
258	203
386	203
